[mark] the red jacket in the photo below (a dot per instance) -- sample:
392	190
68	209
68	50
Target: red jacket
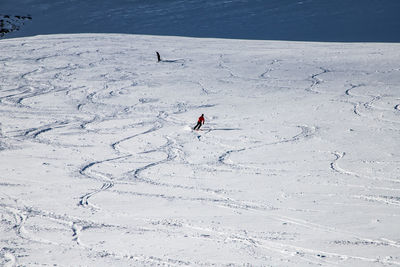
201	120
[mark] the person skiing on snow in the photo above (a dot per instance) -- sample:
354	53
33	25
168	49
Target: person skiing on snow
158	57
200	122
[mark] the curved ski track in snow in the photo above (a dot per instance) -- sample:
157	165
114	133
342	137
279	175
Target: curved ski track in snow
304	254
336	168
369	105
306	132
315	80
106	184
76	225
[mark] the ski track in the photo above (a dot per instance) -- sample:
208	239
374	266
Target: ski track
76	229
76	225
355	105
316	81
306	132
269	69
382	199
171	154
335	167
368	105
35	132
305	254
115	145
105	186
301	253
204	89
10	259
223	65
315	227
19	226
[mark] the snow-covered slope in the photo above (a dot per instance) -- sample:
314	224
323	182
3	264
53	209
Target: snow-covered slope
300	20
297	164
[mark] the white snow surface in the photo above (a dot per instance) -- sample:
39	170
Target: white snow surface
296	165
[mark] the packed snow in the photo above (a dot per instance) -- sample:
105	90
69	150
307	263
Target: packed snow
297	163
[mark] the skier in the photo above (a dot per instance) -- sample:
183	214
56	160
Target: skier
158	57
200	122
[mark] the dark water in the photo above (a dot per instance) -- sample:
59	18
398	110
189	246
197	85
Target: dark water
298	20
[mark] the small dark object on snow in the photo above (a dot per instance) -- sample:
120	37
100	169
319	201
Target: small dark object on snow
158	57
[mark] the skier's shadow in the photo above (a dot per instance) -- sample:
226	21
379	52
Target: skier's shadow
220	129
168	60
172	60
